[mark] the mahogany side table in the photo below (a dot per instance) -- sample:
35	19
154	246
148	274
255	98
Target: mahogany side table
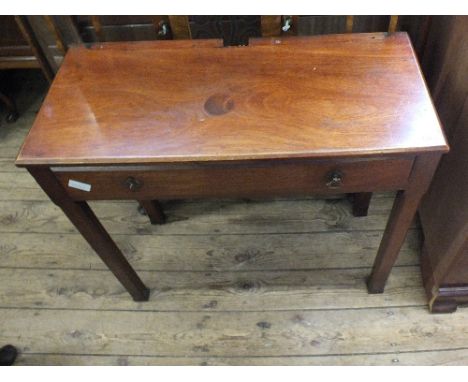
192	119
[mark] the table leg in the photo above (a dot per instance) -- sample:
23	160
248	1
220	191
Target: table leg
83	218
361	203
154	211
403	212
12	115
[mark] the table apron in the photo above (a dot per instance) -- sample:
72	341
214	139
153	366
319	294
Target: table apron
251	180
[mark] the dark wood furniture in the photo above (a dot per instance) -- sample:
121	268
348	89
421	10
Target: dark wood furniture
444	210
444	219
186	119
14	54
19	49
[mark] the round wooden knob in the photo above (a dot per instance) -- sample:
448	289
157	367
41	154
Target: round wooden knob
133	184
334	179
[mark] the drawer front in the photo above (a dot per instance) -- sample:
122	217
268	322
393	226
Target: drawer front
239	180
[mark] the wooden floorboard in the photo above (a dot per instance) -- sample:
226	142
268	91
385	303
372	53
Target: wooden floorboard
222	334
210	252
209	291
203	218
441	357
7	165
232	283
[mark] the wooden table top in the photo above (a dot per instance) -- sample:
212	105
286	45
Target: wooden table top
178	101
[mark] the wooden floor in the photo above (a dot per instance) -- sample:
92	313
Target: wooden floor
232	283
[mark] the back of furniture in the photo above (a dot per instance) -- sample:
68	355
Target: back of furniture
55	33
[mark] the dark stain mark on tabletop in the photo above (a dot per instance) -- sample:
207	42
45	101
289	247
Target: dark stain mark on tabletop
219	104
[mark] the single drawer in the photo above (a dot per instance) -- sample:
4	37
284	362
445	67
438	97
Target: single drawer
245	179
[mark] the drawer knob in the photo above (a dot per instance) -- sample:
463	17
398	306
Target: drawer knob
133	184
334	179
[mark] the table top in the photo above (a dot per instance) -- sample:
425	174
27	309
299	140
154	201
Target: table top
188	101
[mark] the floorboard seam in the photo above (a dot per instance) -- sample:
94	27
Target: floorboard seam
201	234
217	311
213	270
257	356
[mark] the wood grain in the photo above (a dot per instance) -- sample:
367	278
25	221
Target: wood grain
403	212
59	41
349	24
222	217
25	62
209	291
262	180
232	333
180	27
17	184
444	357
392	25
361	202
198	253
66	297
271	26
7	165
331	103
444	211
86	222
98	32
28	34
154	211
